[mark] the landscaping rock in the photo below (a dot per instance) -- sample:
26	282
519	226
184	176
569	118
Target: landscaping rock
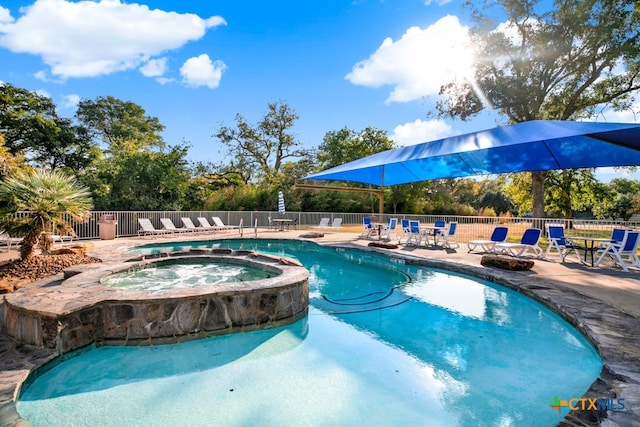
312	235
506	263
383	245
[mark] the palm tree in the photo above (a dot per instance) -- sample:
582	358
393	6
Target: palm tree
35	203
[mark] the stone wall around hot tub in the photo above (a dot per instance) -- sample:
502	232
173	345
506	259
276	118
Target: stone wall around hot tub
81	311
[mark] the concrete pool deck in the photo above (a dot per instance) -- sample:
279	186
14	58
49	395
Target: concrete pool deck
603	303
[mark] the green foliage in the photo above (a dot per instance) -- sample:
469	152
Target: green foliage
258	152
114	122
142	180
45	200
33	130
345	145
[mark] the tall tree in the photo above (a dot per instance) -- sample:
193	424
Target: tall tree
259	151
346	145
113	122
567	63
32	128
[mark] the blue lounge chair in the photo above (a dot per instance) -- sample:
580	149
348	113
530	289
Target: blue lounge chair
499	235
528	242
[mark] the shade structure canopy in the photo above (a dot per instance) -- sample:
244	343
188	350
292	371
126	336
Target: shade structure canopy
536	145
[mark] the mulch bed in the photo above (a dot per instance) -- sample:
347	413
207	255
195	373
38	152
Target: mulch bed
17	273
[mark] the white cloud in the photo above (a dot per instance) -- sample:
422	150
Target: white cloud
92	38
5	18
70	101
421	131
419	63
154	68
200	71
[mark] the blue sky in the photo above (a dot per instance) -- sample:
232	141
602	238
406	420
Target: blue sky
195	64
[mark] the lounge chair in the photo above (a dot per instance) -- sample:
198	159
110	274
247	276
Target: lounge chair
448	238
324	223
499	235
336	224
390	227
205	225
9	240
168	225
189	225
560	243
147	228
528	242
221	226
623	253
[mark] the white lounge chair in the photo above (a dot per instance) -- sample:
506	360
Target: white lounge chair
561	244
189	225
147	228
623	253
221	225
335	225
205	225
499	235
324	223
9	240
528	242
168	225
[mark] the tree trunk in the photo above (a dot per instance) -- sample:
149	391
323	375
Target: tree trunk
537	188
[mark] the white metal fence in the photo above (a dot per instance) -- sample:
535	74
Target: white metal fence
470	227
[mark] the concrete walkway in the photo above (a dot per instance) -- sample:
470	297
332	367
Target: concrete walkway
603	303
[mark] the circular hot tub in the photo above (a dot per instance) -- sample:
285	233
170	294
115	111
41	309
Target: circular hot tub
224	293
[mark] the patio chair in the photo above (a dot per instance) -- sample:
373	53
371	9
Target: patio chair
623	253
390	227
528	242
205	225
9	240
221	225
415	234
406	230
168	225
448	238
368	227
560	243
499	235
147	228
324	223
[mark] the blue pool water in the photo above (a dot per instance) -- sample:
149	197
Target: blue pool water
384	344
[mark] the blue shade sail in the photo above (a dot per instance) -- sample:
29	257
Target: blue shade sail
529	146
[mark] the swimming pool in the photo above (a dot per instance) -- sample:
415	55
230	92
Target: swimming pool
384	343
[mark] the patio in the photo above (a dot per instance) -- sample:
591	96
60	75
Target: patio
603	303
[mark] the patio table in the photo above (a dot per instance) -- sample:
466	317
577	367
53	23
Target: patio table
431	230
282	222
590	247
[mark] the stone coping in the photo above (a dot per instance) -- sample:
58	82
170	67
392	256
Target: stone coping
613	333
